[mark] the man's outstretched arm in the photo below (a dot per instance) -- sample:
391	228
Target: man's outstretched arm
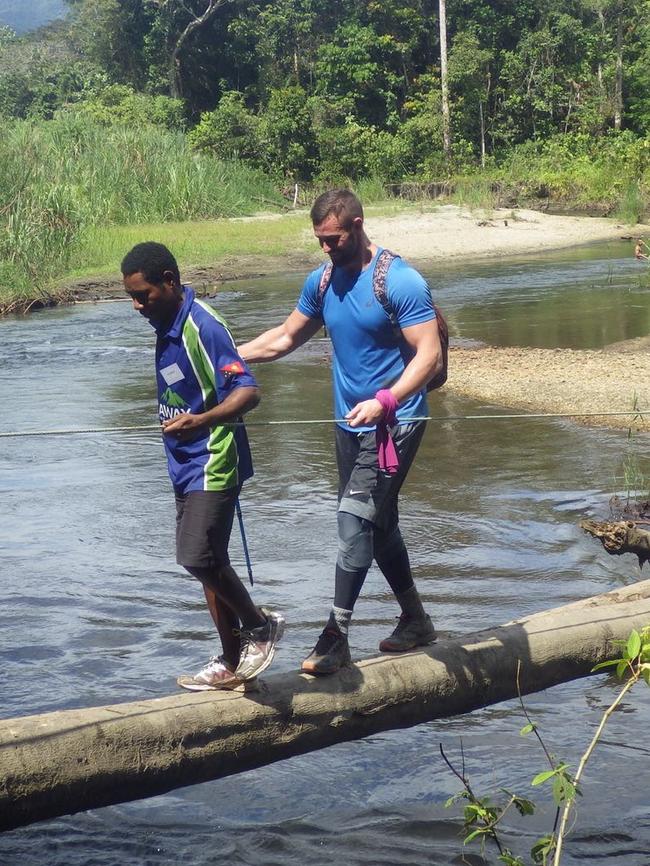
277	342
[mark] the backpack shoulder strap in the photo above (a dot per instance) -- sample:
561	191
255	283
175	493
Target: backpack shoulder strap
383	263
324	282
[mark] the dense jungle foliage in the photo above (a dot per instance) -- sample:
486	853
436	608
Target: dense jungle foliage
157	110
303	90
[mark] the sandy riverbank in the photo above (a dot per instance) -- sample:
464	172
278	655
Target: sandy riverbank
559	381
451	232
447	232
533	380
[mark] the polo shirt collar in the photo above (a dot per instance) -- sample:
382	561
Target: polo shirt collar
175	330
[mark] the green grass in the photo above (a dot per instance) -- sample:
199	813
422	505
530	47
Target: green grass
100	250
475	193
370	190
75	196
65	183
631	206
610	174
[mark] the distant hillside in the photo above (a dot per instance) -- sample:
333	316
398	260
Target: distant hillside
22	16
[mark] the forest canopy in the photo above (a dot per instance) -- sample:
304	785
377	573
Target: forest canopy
361	90
132	112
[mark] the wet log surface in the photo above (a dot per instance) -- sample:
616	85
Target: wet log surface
64	762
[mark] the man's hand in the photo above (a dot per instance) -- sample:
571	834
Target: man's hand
184	426
365	414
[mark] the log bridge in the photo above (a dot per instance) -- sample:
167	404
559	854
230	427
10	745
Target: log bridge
64	762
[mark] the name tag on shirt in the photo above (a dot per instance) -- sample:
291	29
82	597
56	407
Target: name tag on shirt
172	374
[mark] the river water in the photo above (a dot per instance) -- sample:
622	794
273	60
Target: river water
95	611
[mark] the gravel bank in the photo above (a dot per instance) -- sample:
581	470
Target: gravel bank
557	380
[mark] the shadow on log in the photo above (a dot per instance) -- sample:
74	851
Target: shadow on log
64	762
621	536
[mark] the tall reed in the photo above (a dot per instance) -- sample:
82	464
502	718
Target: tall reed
60	177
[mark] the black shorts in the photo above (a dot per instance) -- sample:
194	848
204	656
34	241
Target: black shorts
365	489
203	525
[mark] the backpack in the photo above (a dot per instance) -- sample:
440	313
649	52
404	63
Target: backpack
384	261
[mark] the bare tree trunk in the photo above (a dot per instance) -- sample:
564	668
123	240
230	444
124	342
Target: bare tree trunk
175	78
603	33
444	84
484	104
64	762
618	88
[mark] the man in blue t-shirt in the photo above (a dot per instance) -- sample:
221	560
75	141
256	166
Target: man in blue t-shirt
379	375
204	387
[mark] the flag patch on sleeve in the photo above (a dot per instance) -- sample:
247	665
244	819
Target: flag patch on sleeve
234	369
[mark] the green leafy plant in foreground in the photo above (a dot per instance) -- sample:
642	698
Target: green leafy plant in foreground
482	817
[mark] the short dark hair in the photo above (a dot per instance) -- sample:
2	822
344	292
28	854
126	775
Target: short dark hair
151	260
342	203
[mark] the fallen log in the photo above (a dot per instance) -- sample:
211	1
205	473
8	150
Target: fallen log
620	536
64	762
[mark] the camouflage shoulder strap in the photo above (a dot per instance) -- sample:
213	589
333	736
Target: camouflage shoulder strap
325	279
384	261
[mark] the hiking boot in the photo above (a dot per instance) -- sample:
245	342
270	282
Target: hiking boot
331	652
215	675
408	634
257	646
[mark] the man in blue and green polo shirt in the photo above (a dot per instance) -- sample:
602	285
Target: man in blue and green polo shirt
204	387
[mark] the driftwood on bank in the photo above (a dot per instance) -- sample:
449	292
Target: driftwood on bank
621	536
64	762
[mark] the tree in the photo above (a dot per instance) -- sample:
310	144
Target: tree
444	83
230	131
287	136
184	19
470	77
358	72
111	35
287	39
638	71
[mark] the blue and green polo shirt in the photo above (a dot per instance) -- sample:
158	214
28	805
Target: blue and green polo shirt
197	366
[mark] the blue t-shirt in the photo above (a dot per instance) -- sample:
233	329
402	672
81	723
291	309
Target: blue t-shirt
197	366
368	355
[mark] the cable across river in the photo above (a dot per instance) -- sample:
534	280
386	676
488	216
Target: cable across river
635	413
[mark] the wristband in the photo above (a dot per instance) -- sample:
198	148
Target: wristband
389	404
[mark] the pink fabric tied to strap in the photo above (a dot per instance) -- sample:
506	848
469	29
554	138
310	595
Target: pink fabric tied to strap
386	452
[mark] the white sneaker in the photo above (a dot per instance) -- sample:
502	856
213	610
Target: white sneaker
215	675
257	646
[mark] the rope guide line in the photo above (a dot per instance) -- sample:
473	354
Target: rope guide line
635	413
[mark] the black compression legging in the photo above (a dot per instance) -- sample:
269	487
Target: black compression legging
359	543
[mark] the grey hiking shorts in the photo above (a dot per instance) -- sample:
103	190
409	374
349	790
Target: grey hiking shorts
365	489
